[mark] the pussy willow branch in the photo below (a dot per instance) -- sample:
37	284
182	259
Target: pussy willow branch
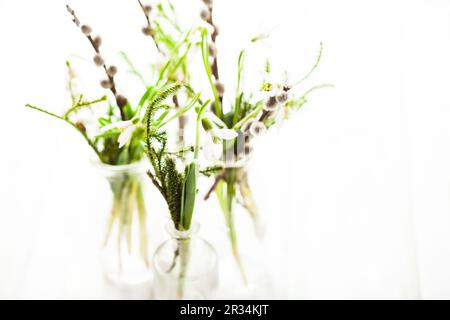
210	21
119	99
149	28
181	121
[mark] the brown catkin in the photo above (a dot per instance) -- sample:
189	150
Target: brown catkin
220	88
147	9
86	29
283	97
106	84
121	101
98	60
97	41
112	70
205	14
147	31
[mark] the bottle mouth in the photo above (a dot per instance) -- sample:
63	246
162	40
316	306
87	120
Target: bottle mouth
182	234
137	167
179	236
235	163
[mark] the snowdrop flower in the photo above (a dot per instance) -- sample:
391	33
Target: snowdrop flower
122	125
224	134
125	136
215	119
212	151
127	128
213	147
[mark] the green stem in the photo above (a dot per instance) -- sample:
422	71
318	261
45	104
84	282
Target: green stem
248	117
205	56
143	236
249	201
89	141
184	254
226	200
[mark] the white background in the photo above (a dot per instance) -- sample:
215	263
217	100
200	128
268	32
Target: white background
355	189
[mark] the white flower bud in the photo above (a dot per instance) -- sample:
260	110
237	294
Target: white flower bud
224	134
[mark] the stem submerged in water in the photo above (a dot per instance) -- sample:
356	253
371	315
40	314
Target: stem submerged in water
127	199
184	254
226	199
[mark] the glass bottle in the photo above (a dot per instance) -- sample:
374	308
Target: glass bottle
125	255
185	266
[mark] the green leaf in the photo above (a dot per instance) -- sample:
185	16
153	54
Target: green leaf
132	68
189	194
181	111
240	70
147	95
103	121
205	56
314	67
251	115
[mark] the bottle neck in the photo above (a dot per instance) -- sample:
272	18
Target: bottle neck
182	234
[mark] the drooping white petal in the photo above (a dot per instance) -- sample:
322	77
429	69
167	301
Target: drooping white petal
224	134
211	150
125	136
215	119
118	125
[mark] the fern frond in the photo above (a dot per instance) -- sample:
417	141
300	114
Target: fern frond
154	105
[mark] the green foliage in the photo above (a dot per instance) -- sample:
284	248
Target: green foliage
132	68
65	117
314	67
205	56
179	188
212	170
165	175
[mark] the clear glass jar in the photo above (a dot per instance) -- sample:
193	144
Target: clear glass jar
233	157
185	266
125	255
